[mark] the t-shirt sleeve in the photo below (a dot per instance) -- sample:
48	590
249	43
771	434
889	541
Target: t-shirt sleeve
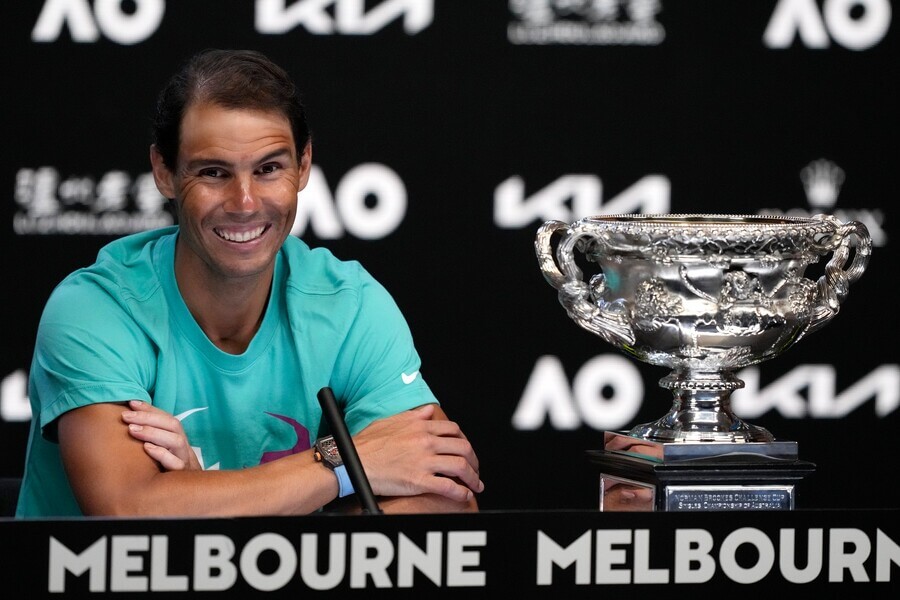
378	361
88	349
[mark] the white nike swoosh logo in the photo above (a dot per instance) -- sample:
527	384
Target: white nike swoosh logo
188	413
197	449
408	379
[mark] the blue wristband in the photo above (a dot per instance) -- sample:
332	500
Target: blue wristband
345	486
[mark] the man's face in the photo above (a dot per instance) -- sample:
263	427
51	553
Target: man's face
235	188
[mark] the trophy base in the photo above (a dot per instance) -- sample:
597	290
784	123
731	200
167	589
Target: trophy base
638	475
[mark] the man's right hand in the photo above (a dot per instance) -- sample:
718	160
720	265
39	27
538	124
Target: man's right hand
163	436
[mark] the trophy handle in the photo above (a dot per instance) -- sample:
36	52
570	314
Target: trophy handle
574	292
834	285
544	251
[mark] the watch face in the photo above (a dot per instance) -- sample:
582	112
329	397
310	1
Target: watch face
329	451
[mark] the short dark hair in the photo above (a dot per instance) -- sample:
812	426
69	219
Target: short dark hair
231	79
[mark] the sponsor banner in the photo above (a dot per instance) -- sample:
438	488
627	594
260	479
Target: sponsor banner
575	553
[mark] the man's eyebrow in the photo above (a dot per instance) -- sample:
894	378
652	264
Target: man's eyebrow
279	153
204	162
218	162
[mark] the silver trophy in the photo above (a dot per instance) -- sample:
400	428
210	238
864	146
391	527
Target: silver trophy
704	295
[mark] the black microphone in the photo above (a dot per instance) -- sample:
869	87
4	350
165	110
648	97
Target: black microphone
348	451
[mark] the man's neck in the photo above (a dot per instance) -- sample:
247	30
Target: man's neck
228	310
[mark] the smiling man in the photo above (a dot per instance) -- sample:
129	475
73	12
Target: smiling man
178	374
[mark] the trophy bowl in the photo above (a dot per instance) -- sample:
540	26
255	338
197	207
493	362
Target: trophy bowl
704	295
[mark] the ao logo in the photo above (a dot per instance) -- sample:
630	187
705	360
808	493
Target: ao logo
606	393
125	27
854	24
368	202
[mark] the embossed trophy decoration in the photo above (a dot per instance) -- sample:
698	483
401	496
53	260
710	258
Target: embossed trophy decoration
703	295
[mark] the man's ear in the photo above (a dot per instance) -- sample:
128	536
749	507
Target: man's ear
161	174
305	165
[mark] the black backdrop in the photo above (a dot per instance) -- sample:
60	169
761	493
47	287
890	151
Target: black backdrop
445	132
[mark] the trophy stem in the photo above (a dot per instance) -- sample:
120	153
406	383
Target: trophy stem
701	411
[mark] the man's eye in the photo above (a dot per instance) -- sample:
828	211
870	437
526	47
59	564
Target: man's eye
212	172
269	168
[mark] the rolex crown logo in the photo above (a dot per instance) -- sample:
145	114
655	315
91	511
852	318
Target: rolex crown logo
822	181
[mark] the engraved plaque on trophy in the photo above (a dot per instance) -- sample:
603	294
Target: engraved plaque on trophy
703	295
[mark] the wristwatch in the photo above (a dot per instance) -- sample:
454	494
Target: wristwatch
326	452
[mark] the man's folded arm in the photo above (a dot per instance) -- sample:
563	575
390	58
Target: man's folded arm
111	475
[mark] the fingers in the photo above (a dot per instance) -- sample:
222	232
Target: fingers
451	477
411	454
447	487
454	457
142	413
163	436
459	471
166	459
159	437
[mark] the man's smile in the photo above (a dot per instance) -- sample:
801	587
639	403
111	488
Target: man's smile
240	236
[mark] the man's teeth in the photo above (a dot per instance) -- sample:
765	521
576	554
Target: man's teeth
240	236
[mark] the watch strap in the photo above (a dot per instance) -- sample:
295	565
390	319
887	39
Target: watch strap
345	486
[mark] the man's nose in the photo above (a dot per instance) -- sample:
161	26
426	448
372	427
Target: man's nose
245	195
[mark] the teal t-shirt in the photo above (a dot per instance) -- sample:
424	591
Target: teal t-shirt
120	330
